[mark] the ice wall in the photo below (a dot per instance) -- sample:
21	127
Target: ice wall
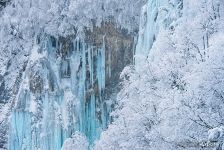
62	89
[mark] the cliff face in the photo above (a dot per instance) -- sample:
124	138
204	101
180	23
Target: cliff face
66	87
119	48
119	45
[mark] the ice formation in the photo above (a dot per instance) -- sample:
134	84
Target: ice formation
156	15
63	87
151	19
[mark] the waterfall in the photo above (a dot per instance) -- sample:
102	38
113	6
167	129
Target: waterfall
66	83
155	16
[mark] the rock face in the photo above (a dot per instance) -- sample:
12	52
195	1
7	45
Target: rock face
66	87
119	48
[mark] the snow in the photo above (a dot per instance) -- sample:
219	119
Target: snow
36	55
77	141
216	134
33	106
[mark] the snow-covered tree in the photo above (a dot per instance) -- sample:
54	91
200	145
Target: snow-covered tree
77	141
176	97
